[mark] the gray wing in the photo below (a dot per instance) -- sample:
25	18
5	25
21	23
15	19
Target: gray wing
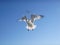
36	17
23	19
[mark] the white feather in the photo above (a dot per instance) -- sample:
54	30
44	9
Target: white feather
30	28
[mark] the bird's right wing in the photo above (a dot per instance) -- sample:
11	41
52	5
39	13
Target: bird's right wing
35	17
23	19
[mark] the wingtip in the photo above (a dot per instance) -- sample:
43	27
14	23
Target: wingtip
19	20
42	16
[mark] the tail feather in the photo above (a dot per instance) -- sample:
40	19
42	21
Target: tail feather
31	28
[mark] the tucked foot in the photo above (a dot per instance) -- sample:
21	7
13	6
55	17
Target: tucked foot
28	29
32	29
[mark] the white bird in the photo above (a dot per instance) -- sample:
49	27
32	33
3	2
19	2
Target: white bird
30	22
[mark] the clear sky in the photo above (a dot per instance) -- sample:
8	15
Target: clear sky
13	32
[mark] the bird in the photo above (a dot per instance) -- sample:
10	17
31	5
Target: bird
30	22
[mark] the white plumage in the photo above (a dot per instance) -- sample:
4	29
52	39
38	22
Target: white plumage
30	23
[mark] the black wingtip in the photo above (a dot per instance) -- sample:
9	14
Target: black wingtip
42	16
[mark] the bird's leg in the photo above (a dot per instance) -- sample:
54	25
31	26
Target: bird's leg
28	29
32	29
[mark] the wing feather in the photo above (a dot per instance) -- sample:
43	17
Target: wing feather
23	19
35	17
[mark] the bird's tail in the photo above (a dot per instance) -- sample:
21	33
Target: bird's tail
31	28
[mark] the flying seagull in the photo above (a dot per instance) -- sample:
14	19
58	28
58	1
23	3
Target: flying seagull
30	22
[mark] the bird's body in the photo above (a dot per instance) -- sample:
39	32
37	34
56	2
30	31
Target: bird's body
30	23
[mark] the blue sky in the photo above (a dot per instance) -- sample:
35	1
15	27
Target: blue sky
13	32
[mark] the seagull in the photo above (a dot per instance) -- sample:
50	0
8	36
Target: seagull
30	22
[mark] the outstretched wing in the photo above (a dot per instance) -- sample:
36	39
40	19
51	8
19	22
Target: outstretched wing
23	19
36	17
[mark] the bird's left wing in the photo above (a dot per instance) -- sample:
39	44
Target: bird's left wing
36	17
23	19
